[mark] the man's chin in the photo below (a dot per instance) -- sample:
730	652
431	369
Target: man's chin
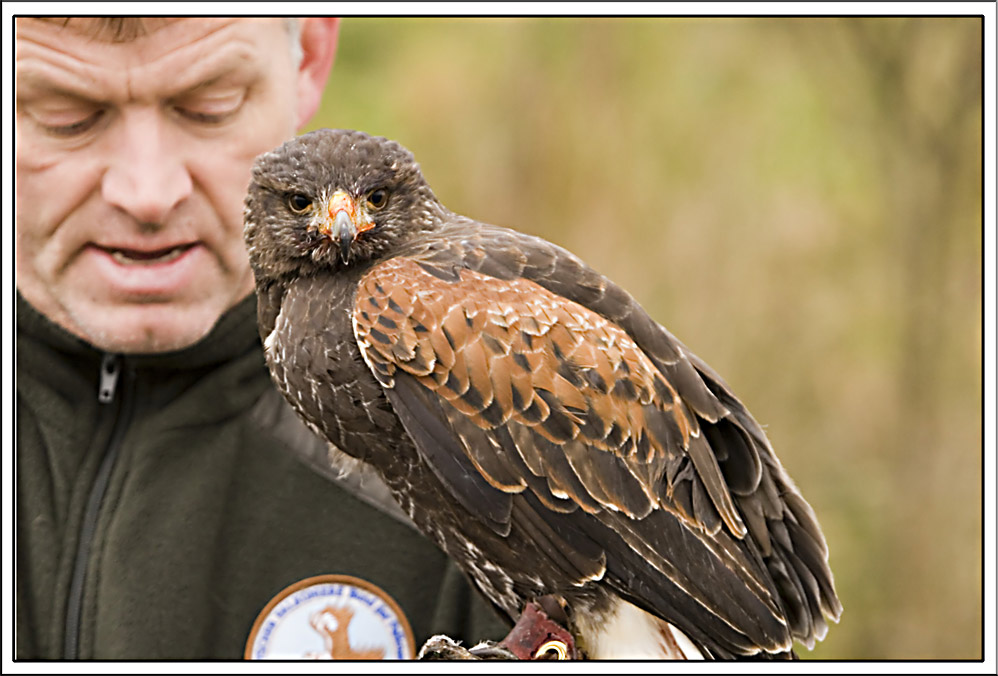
145	329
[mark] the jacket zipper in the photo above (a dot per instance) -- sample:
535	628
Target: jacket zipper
111	384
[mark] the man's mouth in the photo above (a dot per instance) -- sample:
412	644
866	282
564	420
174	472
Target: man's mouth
145	272
140	257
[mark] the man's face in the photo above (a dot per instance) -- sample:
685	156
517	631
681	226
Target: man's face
132	161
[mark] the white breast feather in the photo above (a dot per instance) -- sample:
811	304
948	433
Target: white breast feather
629	633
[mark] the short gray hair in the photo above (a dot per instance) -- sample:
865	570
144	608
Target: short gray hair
292	25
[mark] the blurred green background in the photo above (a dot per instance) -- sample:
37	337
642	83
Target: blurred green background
798	200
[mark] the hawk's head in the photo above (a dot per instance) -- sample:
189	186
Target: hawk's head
333	198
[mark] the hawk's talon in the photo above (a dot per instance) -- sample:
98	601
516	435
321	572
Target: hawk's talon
441	647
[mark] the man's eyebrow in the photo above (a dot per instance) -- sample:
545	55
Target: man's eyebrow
233	63
35	85
233	73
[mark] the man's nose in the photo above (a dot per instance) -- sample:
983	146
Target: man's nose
146	174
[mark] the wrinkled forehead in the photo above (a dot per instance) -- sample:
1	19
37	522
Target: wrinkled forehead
88	57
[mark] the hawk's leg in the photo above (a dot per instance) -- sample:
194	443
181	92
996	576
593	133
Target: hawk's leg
535	636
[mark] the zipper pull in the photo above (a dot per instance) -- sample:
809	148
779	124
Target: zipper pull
110	367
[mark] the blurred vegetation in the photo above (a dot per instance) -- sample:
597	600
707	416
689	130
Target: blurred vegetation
798	200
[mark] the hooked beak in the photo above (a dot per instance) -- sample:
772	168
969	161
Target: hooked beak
343	222
344	232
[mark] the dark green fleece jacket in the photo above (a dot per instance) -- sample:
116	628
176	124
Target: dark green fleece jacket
163	501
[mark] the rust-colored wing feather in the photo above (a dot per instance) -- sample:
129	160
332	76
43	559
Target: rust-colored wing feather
780	523
511	353
522	372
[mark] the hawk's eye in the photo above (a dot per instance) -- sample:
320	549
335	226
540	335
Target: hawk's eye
377	199
299	203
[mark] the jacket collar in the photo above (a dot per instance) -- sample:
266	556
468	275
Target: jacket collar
234	334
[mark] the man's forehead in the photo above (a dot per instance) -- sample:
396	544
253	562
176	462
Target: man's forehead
171	52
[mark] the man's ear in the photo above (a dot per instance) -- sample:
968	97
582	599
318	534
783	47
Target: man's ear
318	45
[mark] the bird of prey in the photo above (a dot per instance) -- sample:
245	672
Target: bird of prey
527	413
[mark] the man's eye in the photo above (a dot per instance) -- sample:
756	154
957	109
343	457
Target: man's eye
203	117
210	109
70	125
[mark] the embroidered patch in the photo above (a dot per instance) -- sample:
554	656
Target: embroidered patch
331	617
